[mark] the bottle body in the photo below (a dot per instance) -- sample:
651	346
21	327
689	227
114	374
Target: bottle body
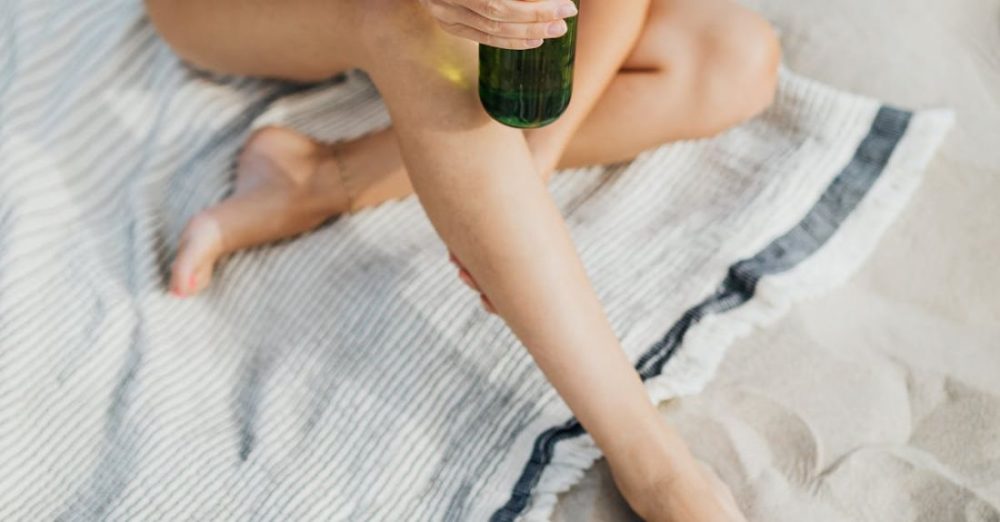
531	88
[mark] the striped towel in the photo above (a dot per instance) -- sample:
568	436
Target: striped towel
347	375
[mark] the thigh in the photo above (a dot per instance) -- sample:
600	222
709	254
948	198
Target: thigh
303	40
418	67
676	32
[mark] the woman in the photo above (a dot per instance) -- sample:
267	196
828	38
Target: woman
648	72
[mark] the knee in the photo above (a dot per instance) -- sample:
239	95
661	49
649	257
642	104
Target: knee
386	26
401	43
740	57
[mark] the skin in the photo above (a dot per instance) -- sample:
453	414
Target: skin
648	72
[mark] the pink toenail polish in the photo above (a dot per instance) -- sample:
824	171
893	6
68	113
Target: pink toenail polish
193	282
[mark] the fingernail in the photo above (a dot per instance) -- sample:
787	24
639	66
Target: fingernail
556	28
567	11
193	282
534	43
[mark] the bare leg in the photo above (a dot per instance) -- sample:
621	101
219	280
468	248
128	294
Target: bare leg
699	67
691	69
467	197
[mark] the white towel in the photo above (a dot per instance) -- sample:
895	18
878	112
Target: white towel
347	375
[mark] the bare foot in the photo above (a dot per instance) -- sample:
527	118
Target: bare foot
674	487
286	184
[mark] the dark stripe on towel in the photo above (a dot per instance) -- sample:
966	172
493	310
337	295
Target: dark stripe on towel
798	244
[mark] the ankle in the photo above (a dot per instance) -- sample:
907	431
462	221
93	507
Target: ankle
370	170
653	457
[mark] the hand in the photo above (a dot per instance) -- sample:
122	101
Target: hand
466	278
508	24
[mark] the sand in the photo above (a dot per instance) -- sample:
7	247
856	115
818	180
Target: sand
881	401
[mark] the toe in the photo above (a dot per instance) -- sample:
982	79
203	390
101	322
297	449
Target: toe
200	248
279	193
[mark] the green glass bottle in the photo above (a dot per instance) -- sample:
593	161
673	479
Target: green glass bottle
531	88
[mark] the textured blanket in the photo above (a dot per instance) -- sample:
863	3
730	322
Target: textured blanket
347	375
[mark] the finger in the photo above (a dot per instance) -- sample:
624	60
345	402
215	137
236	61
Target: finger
469	33
520	10
527	30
